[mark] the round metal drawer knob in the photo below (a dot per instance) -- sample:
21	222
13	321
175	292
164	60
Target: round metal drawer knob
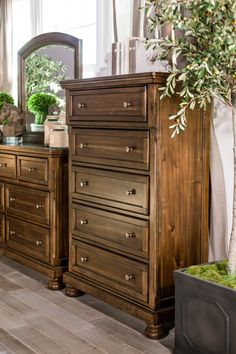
130	192
32	169
129	148
130	235
129	277
83	221
12	232
83	259
38	206
12	199
81	105
38	243
127	104
82	145
2	164
83	183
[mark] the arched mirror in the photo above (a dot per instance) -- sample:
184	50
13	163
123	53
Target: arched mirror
43	62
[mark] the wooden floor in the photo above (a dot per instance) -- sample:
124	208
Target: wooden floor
34	319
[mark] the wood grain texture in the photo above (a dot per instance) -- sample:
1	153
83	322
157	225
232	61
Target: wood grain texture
171	189
35	204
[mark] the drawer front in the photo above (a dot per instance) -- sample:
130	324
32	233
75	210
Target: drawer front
2	203
121	274
8	166
121	190
27	203
33	170
27	238
126	104
111	230
2	228
111	147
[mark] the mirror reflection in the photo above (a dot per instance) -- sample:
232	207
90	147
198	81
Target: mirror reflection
42	63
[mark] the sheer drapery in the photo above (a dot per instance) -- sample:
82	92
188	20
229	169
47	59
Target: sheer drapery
6	46
128	19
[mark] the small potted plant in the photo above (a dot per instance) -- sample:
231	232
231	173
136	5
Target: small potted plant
205	307
5	98
38	104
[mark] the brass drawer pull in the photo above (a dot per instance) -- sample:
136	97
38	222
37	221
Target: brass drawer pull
83	221
129	277
83	145
83	183
127	104
12	232
129	148
39	243
130	192
130	235
81	105
83	259
32	169
3	164
38	206
12	199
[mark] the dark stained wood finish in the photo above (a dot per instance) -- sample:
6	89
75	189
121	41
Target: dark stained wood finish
28	238
2	228
2	197
8	166
115	272
173	205
112	230
27	203
33	170
37	209
110	147
116	189
126	104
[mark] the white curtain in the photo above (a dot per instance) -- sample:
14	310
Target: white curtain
6	46
128	19
36	17
221	181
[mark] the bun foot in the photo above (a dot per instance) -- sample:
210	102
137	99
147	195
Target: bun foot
55	284
72	292
156	331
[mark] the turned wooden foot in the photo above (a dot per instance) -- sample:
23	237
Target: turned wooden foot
156	331
55	284
72	292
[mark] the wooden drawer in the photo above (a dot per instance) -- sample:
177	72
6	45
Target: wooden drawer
127	148
7	166
121	190
27	203
27	238
123	275
111	230
126	104
33	170
2	228
2	202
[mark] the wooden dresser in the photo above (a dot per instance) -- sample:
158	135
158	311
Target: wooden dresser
34	208
138	199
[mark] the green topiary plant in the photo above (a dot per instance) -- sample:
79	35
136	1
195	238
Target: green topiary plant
38	104
5	98
206	41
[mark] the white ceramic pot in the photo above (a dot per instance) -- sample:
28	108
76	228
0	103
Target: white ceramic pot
37	127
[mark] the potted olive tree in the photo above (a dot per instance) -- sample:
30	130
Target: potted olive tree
38	104
206	43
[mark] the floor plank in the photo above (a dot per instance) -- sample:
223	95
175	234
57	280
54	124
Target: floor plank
36	320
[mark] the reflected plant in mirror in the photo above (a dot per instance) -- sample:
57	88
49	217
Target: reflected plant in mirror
43	74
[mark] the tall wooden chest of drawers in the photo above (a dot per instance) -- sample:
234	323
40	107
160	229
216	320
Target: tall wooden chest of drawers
34	208
138	199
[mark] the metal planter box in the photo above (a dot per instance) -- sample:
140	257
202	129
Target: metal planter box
205	316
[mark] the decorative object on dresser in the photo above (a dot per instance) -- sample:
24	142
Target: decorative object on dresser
12	123
138	199
34	208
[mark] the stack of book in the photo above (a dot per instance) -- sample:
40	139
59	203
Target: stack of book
131	56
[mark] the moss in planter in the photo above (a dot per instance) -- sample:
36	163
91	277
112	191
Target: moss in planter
216	272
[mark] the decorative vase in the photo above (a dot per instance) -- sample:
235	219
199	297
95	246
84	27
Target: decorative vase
37	127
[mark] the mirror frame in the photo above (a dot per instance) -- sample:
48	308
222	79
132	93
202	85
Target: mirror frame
38	42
